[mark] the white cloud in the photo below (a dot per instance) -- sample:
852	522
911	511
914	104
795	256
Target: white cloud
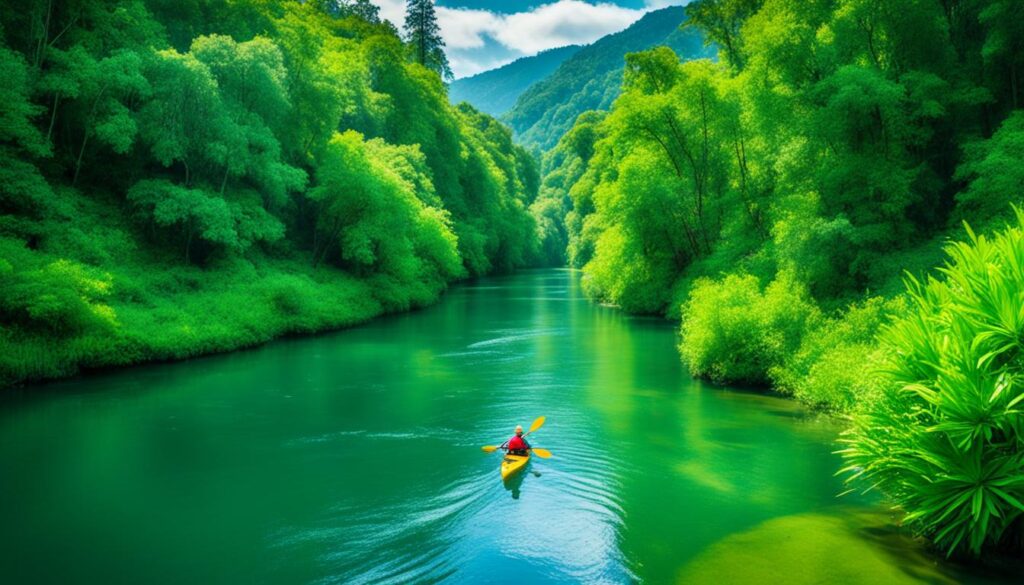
471	64
393	10
656	4
465	29
564	22
567	22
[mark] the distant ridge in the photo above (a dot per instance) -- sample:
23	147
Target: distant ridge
591	78
496	91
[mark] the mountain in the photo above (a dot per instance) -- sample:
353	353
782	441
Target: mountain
496	91
590	79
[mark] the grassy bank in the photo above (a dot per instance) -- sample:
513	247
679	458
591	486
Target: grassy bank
108	303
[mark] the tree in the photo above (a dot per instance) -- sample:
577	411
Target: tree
370	219
721	21
201	215
22	187
251	81
1003	50
424	37
185	120
108	89
364	9
994	174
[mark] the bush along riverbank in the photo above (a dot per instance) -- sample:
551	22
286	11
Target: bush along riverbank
944	437
178	180
775	200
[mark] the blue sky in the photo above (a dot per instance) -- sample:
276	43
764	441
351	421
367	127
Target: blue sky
484	34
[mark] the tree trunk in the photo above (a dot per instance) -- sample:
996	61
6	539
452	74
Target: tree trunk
224	181
1013	84
318	257
188	242
44	36
81	152
53	118
85	139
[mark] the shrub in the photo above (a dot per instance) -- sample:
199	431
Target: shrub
732	331
833	367
945	439
61	298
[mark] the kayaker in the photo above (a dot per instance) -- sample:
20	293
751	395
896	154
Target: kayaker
517	445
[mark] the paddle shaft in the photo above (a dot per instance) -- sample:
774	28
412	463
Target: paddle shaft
538	423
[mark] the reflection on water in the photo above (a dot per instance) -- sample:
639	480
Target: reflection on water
355	458
514	483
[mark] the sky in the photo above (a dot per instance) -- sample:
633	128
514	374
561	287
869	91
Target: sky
484	34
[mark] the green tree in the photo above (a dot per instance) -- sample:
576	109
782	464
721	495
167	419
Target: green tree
108	89
251	80
361	8
197	214
721	21
993	173
370	220
22	188
424	37
185	122
1003	49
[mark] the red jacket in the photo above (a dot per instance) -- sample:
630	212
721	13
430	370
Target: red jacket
517	443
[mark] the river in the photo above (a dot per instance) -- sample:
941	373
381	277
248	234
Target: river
355	457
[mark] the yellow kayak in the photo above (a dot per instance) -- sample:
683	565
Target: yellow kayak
512	464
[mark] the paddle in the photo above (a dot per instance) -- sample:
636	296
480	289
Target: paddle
542	453
536	425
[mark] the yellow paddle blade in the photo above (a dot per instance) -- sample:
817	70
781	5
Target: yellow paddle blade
489	448
537	423
542	453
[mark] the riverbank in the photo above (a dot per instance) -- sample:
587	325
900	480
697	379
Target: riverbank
160	461
101	300
165	313
180	182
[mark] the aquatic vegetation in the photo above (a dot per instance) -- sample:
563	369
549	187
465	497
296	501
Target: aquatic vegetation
852	548
945	440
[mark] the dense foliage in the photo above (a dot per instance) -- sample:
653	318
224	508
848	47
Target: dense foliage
852	127
735	331
772	200
946	438
178	178
590	79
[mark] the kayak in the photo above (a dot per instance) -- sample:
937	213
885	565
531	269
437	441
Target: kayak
513	463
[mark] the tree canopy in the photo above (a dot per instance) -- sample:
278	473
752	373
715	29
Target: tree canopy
201	143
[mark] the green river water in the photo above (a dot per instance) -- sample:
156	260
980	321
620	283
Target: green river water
354	457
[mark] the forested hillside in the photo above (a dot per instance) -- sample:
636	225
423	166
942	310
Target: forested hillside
495	92
773	200
178	178
590	79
